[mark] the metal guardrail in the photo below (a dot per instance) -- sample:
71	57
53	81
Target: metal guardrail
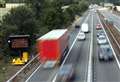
25	71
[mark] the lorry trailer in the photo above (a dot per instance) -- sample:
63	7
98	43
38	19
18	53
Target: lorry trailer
52	47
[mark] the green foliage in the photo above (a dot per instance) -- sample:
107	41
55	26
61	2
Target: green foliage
15	1
23	18
37	18
36	6
6	30
20	20
74	9
68	17
52	15
83	6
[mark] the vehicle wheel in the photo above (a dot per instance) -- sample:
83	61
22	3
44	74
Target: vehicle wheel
67	49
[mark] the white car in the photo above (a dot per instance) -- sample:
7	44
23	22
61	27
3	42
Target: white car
81	36
102	39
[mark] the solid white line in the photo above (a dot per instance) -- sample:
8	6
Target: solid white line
117	17
89	76
117	28
21	69
110	44
115	25
33	73
63	61
68	52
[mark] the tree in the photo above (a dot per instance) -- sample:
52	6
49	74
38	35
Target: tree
20	20
83	6
52	15
36	6
23	18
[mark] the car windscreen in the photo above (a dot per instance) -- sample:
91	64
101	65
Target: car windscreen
101	38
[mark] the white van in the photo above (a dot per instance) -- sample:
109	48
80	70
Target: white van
84	28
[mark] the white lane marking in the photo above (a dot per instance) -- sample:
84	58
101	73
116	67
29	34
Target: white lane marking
110	44
68	52
117	28
33	73
21	69
115	25
118	17
89	76
61	65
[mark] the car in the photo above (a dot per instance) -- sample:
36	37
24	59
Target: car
100	32
66	73
105	53
81	36
98	27
102	40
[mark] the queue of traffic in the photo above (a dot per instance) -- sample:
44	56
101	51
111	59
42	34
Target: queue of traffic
104	50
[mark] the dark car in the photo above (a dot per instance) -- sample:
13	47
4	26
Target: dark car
105	53
66	73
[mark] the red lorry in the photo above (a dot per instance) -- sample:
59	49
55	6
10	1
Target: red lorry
52	47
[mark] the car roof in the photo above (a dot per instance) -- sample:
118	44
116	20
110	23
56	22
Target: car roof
106	49
105	46
101	36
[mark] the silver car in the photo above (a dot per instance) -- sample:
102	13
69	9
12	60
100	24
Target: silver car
102	39
105	53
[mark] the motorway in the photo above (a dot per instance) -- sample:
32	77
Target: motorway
115	19
104	72
79	54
